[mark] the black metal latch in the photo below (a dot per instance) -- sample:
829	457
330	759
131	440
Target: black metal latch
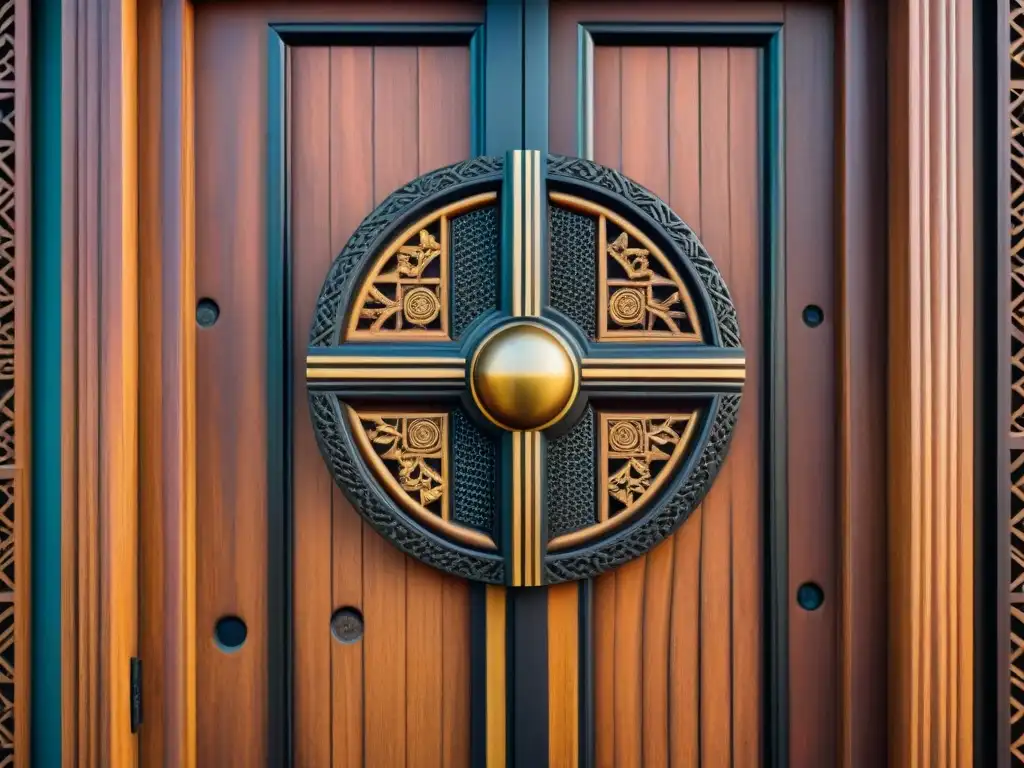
135	691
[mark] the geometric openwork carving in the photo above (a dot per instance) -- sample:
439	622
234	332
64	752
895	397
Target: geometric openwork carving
524	370
641	296
407	292
1015	321
13	274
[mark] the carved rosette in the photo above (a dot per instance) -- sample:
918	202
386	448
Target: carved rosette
650	378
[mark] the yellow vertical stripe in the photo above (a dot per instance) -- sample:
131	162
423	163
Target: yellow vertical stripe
528	225
563	675
536	510
517	527
495	624
528	507
517	234
536	233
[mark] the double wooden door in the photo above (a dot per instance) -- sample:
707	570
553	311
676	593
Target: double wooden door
321	643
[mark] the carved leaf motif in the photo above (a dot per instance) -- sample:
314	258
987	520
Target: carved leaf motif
632	260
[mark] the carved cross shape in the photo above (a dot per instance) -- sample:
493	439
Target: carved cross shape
524	372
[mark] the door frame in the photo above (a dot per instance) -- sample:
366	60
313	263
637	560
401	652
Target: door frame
105	483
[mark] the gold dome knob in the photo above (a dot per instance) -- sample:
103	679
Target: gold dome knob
524	377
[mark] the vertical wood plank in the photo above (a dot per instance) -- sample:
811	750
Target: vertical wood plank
861	376
607	151
745	453
811	390
684	647
395	162
656	677
716	546
231	514
438	621
443	120
167	383
496	686
563	675
628	664
645	148
931	432
312	485
351	198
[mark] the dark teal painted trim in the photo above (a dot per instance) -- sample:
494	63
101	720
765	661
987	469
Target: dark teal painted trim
375	34
278	383
46	391
536	74
769	39
776	445
503	77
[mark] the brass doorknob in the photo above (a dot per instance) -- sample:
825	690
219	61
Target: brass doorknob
523	377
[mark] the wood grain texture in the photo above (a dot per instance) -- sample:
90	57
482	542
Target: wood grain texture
563	675
343	161
368	153
862	329
678	634
811	381
496	629
351	197
311	513
167	384
930	386
99	588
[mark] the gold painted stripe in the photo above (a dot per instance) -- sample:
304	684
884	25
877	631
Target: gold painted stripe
538	253
528	509
517	545
668	362
517	234
496	665
563	675
680	374
412	374
382	360
537	546
528	226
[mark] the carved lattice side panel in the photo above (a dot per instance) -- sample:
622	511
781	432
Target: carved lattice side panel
1016	389
10	461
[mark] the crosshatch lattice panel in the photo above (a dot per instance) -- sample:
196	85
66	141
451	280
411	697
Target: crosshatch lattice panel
1016	373
9	273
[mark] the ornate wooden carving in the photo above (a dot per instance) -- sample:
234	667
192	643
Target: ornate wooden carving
648	485
15	269
1015	428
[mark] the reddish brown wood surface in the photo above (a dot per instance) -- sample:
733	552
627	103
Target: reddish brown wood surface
703	156
363	121
675	630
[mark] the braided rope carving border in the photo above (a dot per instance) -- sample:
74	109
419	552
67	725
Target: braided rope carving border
660	522
366	240
351	475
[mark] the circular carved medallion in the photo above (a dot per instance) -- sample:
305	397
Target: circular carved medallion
531	409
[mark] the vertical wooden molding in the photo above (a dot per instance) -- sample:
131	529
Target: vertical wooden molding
931	370
564	674
167	382
862	324
100	364
496	629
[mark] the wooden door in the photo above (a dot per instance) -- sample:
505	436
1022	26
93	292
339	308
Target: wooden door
726	112
357	111
320	642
